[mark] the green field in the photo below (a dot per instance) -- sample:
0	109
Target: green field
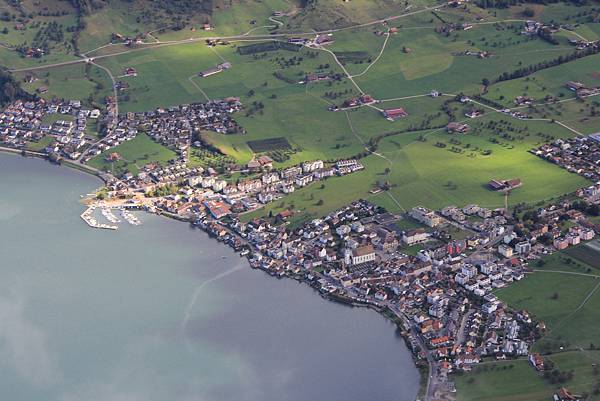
563	294
415	60
516	380
41	144
86	83
134	154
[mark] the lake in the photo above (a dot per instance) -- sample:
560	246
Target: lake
160	312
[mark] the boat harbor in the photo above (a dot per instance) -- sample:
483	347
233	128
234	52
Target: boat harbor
92	218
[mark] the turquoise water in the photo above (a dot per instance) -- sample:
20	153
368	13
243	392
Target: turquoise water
161	312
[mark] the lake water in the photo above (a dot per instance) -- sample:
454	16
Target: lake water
160	312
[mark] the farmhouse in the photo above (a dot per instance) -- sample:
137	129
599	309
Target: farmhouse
504	185
459	128
358	101
394	114
131	72
523	100
316	77
473	113
565	395
209	72
574	86
324	39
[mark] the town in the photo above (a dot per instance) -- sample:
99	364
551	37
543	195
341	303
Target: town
433	272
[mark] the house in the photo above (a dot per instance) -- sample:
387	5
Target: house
536	361
394	114
564	394
459	128
253	165
473	113
113	157
363	254
265	161
310	166
381	295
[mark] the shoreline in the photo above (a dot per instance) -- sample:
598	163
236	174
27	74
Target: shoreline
39	155
385	312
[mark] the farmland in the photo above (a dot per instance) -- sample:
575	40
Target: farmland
425	166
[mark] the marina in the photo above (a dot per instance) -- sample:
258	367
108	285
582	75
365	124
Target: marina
107	212
88	217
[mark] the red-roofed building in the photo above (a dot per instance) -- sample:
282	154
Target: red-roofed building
217	209
394	114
